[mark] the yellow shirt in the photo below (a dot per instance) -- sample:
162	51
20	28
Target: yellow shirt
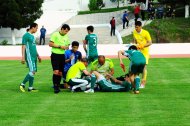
58	39
142	38
75	71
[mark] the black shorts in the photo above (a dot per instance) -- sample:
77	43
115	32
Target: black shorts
58	61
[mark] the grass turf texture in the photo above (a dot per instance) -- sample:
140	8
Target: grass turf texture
164	101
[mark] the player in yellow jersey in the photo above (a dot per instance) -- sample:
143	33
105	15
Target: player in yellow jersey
143	40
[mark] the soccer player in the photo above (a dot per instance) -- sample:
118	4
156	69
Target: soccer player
90	45
107	86
137	63
74	75
104	66
30	55
143	40
71	57
59	42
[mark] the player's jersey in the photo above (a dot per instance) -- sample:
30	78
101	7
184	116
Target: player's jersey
58	39
142	38
135	56
75	71
103	69
91	45
30	42
76	56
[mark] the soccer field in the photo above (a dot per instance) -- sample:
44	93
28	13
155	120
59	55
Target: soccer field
164	102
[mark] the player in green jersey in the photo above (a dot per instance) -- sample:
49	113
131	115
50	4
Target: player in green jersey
107	86
90	45
137	63
30	55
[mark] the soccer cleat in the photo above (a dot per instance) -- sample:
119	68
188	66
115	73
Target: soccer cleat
33	90
89	91
136	92
22	88
73	89
57	91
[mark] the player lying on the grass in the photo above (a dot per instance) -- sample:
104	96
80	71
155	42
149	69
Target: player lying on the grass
137	63
107	86
74	74
103	65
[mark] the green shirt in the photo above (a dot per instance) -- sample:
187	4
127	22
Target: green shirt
91	45
58	39
30	42
75	71
135	56
103	69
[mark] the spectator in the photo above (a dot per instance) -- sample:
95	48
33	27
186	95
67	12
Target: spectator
112	23
42	35
125	19
136	12
143	10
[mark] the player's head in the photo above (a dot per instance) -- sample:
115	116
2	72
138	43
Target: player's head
65	29
85	61
75	46
132	47
90	29
33	28
101	59
138	26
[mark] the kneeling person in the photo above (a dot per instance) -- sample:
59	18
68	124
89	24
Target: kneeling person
74	74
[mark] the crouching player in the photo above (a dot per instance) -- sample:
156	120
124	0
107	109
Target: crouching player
107	86
74	75
137	64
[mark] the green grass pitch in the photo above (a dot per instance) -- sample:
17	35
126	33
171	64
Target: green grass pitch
164	102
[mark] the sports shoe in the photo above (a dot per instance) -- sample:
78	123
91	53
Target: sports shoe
136	92
32	90
89	91
22	88
73	89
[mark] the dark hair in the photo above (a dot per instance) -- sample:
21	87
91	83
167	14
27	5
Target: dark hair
138	23
84	60
90	28
33	25
75	43
132	47
101	56
65	26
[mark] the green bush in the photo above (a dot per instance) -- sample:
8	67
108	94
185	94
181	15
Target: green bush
4	42
93	5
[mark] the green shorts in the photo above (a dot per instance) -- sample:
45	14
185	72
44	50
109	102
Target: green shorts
110	87
137	68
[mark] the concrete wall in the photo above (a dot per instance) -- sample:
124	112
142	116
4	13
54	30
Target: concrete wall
107	50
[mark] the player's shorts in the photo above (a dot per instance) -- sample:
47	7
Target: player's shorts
92	59
108	86
137	68
57	61
32	64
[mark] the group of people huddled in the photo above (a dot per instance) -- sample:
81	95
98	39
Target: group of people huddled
92	72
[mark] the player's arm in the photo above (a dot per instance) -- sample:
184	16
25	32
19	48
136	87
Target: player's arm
52	44
149	42
120	53
39	58
86	73
84	45
23	54
114	79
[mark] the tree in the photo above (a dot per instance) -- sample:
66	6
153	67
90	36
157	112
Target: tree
95	4
185	3
18	14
